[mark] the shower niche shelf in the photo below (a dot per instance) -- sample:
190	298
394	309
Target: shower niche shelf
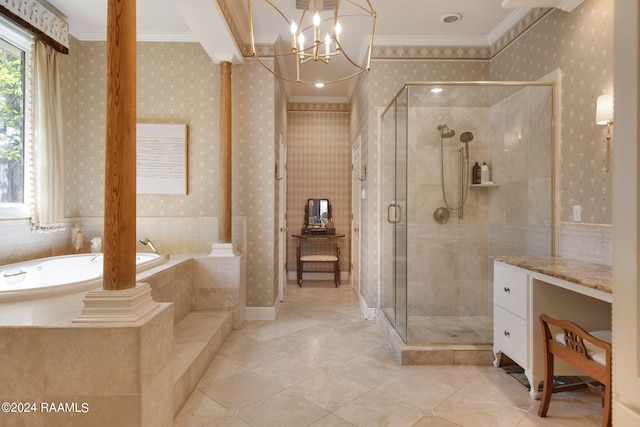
488	184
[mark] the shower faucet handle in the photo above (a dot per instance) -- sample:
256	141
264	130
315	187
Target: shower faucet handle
507	290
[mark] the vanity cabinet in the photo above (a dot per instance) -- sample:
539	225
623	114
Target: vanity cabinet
525	287
510	313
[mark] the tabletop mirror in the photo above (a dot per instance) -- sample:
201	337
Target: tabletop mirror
317	217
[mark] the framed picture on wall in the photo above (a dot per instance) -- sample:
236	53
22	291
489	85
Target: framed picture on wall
161	158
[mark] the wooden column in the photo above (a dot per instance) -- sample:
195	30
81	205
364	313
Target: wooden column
224	220
120	153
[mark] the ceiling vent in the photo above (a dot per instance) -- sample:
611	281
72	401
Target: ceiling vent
322	4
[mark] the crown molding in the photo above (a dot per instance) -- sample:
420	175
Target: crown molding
431	41
569	5
507	24
566	5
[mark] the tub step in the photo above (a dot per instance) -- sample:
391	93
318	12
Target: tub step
196	340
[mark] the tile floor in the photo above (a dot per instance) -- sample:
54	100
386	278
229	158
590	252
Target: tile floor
321	364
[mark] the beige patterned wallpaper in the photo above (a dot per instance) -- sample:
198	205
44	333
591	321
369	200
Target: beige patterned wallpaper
177	83
253	176
580	44
319	157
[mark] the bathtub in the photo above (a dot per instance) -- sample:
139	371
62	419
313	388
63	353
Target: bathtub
53	276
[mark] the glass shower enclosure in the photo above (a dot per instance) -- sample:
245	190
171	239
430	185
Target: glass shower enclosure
440	221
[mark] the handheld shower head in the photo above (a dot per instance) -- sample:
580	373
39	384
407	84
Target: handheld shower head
445	132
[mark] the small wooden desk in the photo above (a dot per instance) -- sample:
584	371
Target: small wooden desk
302	239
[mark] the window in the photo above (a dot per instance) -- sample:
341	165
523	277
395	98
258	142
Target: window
11	123
14	188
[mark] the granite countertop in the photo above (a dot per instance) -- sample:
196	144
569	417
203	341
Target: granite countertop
596	276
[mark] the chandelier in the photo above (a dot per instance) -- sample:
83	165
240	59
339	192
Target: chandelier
307	45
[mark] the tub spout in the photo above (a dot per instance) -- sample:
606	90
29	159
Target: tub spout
148	242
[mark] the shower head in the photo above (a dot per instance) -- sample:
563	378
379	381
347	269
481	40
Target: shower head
466	137
445	132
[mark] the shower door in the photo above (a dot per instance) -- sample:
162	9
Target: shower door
394	223
436	282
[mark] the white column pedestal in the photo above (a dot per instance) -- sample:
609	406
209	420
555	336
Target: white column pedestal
221	250
126	305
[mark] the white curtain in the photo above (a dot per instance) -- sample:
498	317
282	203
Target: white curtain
48	154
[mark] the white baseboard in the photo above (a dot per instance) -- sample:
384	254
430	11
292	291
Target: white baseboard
368	312
262	313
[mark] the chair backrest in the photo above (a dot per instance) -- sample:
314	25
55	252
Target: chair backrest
582	349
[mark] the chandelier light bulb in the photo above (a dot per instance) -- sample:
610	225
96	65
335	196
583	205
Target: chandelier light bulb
294	29
301	42
316	19
327	45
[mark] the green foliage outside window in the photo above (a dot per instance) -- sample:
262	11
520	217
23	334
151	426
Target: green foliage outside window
11	126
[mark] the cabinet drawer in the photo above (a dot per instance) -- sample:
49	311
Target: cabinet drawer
510	336
510	289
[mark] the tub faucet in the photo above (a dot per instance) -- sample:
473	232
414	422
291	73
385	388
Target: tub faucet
147	242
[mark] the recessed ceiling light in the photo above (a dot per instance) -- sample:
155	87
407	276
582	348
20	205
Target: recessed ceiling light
436	90
450	18
319	85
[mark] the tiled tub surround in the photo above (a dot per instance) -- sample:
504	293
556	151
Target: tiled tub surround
171	235
121	371
45	357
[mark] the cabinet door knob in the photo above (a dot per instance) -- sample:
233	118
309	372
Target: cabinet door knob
507	290
507	334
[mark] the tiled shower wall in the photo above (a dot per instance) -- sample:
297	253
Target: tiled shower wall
447	268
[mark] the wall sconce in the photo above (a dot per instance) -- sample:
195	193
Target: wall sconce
604	116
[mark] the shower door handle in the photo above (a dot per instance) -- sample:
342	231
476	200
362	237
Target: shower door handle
396	218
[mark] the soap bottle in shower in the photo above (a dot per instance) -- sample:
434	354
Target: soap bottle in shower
476	174
484	173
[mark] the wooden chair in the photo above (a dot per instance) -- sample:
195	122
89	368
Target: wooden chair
324	259
588	352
